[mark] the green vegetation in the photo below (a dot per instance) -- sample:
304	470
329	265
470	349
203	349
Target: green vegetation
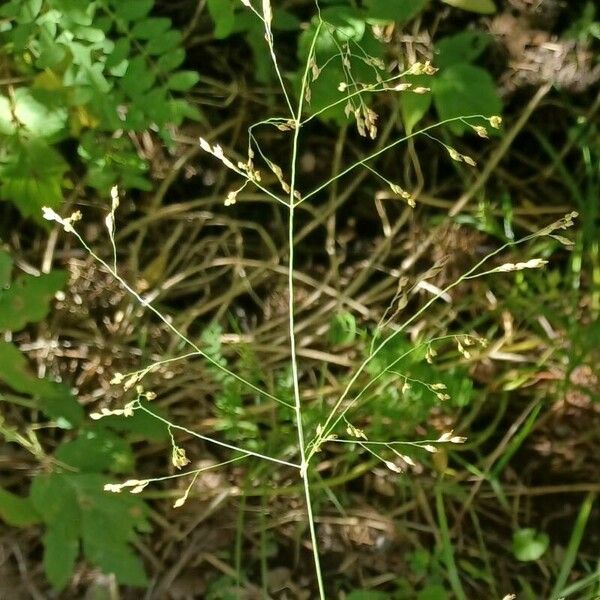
299	299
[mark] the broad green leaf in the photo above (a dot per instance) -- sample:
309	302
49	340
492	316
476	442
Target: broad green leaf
284	20
415	106
30	9
32	177
132	10
484	7
171	61
7	120
463	47
147	29
529	544
61	548
27	299
342	328
74	11
119	53
463	90
367	595
432	591
96	450
181	109
183	80
163	43
39	112
55	399
394	10
6	264
138	78
74	506
16	510
115	559
55	499
222	12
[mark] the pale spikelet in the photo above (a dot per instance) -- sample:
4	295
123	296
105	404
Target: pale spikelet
403	194
564	223
534	263
118	412
117	379
468	160
509	597
430	355
446	437
342	87
495	121
113	487
178	457
401	87
231	198
217	152
420	68
267	13
50	215
421	89
355	432
458	439
430	448
480	131
454	155
392	466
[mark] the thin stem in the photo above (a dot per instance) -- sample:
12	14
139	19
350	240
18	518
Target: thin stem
291	323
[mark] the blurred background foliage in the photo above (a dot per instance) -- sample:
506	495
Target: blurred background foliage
103	93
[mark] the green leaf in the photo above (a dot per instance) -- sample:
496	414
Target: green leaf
119	53
40	112
132	10
342	329
432	591
147	29
32	177
463	90
7	122
27	299
222	12
17	511
55	399
367	595
6	264
74	506
484	7
171	61
463	47
164	43
116	559
97	450
183	80
415	106
138	79
394	10
529	544
74	11
61	548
